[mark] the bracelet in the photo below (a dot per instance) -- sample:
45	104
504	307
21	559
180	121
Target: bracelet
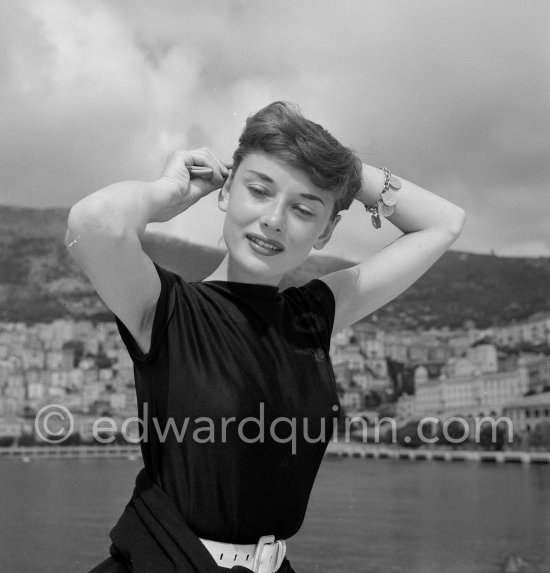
385	204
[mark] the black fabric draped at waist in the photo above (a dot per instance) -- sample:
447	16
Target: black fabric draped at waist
152	536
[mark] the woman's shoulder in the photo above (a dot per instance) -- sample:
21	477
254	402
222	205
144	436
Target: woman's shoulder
315	289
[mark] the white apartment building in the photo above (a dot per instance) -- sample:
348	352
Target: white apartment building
484	356
528	411
61	331
91	392
405	408
60	378
351	355
369	380
474	394
397	343
54	359
428	398
461	341
370	339
7	368
33	358
341	338
534	330
35	391
75	378
538	371
10	426
117	400
351	399
500	388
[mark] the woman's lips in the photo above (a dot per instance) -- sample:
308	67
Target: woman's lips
263	245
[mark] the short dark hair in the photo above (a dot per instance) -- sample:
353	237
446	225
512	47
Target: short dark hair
282	130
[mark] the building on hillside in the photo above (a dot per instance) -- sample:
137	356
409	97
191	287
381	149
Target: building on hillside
342	374
460	367
372	380
405	407
33	358
35	391
461	340
528	411
484	356
352	399
397	343
61	331
342	338
11	426
538	372
370	340
350	355
428	397
464	388
54	359
534	330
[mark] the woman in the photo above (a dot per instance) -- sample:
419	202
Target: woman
243	368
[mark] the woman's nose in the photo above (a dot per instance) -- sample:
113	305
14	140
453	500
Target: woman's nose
274	218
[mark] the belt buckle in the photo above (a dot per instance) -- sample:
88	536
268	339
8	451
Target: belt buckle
264	540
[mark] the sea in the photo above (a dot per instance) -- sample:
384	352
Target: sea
364	516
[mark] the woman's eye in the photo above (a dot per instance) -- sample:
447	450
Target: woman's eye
304	212
258	191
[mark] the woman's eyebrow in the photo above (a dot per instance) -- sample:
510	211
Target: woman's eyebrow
268	179
313	197
263	176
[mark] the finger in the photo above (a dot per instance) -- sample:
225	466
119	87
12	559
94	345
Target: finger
197	172
217	164
200	157
224	169
200	172
204	159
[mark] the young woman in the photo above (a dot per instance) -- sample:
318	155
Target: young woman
233	376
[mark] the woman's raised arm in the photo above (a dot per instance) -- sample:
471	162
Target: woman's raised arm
430	225
104	231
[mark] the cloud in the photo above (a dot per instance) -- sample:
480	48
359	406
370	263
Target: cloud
451	95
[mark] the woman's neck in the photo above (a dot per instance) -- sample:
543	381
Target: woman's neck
227	271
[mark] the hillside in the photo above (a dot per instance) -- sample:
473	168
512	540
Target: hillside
39	281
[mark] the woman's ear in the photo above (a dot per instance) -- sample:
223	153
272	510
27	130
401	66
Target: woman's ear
223	195
327	233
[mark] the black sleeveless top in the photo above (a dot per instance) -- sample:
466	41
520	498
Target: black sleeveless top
222	352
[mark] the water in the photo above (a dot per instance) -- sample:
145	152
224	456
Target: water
374	516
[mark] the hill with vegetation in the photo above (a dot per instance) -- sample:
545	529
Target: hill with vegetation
39	282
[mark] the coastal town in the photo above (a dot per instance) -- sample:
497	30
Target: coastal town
502	371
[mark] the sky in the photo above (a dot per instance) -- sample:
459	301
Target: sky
453	95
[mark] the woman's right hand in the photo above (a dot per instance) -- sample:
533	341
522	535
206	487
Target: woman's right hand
187	191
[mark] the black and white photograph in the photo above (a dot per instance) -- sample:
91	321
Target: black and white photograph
275	286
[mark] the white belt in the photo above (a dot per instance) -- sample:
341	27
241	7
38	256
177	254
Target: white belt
265	556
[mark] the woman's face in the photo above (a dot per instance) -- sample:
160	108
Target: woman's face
266	200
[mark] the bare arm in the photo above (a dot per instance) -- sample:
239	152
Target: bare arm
430	225
104	231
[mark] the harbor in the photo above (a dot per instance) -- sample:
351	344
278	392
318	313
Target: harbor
28	453
392	514
382	452
334	449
